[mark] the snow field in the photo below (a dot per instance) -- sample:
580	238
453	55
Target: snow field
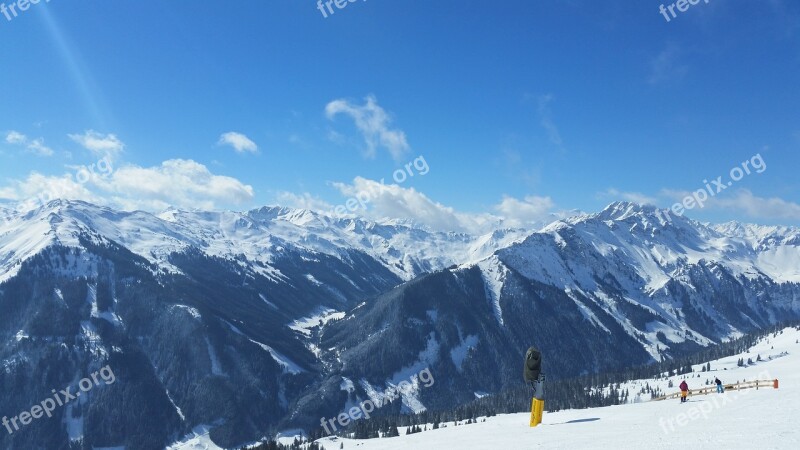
763	419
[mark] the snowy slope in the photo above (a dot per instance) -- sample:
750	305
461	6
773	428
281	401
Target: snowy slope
763	419
778	247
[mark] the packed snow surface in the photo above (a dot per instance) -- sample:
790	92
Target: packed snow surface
749	419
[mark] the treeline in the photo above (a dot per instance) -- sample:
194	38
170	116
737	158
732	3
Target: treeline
296	445
587	391
682	365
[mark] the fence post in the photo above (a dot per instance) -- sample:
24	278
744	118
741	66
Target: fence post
775	384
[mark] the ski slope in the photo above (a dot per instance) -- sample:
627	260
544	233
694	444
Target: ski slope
763	419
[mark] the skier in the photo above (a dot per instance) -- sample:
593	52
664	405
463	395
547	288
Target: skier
720	388
684	391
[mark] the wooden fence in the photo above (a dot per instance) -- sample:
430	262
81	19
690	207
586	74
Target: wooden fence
712	389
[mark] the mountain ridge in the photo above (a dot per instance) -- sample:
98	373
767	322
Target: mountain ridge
271	311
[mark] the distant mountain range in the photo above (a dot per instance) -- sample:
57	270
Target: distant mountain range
274	318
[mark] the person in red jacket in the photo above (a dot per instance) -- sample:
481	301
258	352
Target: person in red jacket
684	391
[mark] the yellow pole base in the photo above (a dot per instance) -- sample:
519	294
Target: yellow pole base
537	411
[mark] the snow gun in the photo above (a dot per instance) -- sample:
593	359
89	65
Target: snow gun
535	379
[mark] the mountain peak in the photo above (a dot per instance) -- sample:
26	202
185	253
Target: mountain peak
622	210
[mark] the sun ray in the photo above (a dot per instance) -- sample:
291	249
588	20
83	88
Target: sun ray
77	69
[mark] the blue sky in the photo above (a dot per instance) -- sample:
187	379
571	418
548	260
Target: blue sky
518	108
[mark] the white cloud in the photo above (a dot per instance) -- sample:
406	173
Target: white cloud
374	124
238	141
546	120
99	144
395	202
761	207
667	66
674	194
303	201
8	193
35	146
37	189
378	201
531	209
16	138
635	197
741	202
177	182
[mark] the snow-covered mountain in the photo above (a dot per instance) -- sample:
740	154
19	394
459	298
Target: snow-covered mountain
196	308
603	291
242	323
681	275
257	236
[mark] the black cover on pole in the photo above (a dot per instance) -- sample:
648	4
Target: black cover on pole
533	365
